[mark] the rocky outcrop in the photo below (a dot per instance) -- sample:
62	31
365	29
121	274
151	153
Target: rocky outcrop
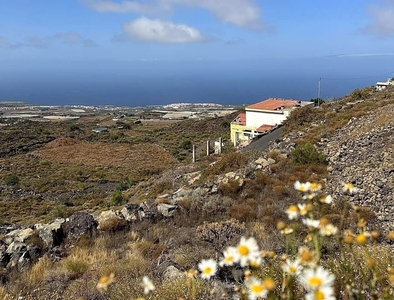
80	223
362	153
52	233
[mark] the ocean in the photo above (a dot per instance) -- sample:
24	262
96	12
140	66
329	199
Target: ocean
142	83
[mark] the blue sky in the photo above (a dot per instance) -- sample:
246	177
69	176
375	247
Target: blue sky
151	51
193	29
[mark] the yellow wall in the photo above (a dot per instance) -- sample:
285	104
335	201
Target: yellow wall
239	128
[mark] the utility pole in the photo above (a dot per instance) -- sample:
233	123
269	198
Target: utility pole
318	92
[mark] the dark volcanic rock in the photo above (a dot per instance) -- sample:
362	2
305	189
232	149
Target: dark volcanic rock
80	223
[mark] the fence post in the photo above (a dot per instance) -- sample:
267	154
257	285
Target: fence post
220	145
207	148
194	153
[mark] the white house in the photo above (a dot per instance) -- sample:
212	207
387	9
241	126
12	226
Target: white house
383	84
262	117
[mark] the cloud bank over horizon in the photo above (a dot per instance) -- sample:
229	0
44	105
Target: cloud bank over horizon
70	38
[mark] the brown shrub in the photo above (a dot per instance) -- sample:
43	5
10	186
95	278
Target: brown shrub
243	212
162	186
231	188
281	191
220	233
229	162
114	224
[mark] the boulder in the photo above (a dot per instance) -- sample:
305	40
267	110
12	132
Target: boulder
52	233
132	212
111	220
19	235
167	210
80	223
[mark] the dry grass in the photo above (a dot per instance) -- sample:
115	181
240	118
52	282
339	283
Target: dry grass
4	295
103	154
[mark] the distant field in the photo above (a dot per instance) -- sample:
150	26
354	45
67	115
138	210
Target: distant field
104	154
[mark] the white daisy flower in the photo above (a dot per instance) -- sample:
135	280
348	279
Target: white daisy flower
256	288
311	223
292	267
302	187
316	279
328	230
147	284
208	268
256	262
326	199
324	293
246	251
302	209
348	187
229	257
105	281
292	212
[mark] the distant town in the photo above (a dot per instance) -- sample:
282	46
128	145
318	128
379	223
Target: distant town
174	111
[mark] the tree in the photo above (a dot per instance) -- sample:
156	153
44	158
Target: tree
317	101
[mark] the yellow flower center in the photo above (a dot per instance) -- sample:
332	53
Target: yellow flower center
256	288
315	281
207	270
229	259
293	208
361	239
306	256
293	269
319	295
302	188
315	186
104	279
243	250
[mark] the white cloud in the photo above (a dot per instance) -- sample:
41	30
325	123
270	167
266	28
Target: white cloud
241	13
145	29
382	19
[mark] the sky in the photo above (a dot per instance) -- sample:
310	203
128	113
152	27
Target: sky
89	37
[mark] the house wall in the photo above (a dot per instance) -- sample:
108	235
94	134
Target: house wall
257	118
241	133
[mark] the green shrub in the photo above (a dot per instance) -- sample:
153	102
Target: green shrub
117	198
44	162
61	211
187	145
125	185
76	267
74	127
307	154
11	180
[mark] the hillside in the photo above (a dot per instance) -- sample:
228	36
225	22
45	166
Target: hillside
183	213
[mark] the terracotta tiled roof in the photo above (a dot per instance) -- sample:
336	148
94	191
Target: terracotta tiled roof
264	128
240	119
273	104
